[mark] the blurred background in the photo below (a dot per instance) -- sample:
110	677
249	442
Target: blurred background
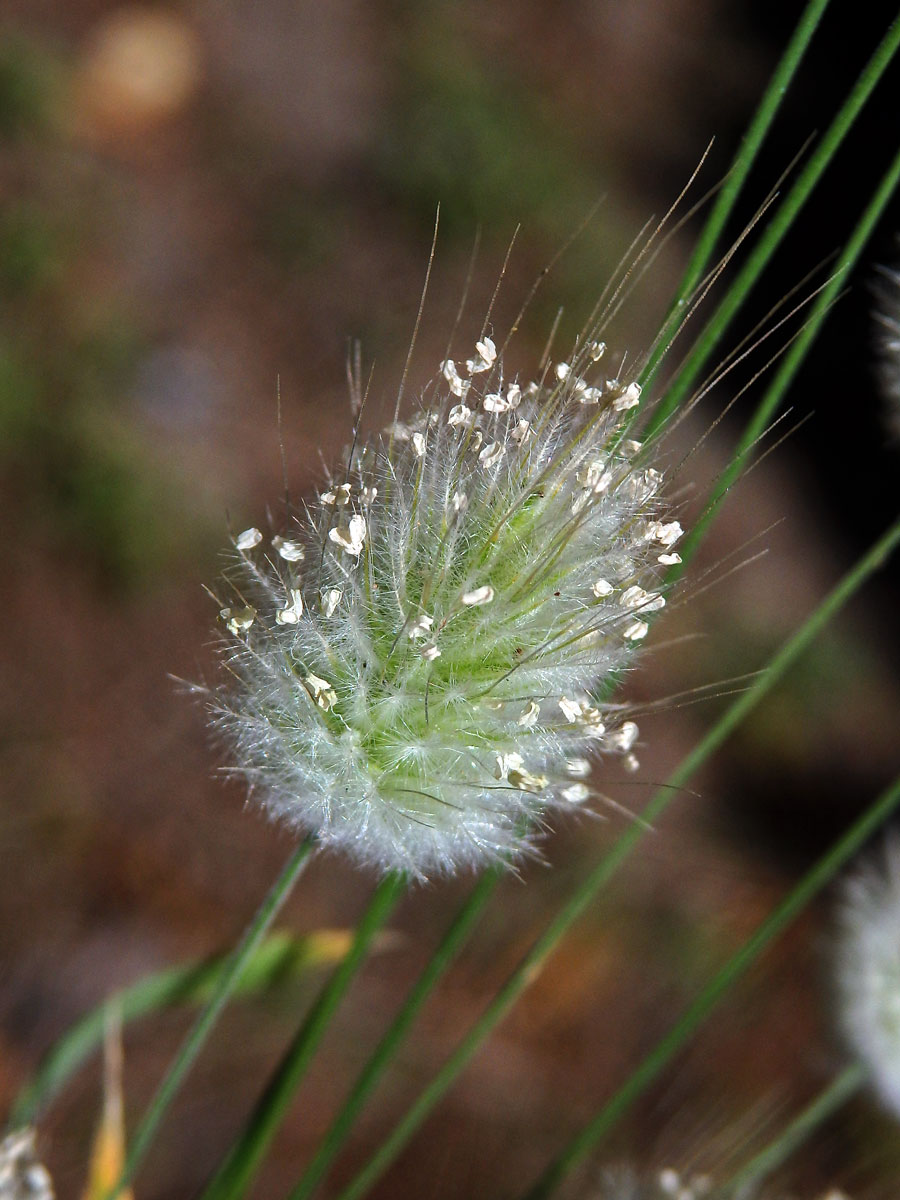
202	199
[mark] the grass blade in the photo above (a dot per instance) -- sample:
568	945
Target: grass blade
775	231
203	1026
718	987
793	360
737	175
368	1078
745	1181
236	1173
279	957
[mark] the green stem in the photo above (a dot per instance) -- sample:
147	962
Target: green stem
745	1181
531	964
737	175
811	883
340	1127
277	958
775	231
236	1173
203	1026
793	359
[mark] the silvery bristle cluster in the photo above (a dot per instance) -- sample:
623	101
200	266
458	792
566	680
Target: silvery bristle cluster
669	1184
888	316
421	662
22	1175
868	971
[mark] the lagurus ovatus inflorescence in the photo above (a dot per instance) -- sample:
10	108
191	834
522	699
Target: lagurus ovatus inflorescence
420	664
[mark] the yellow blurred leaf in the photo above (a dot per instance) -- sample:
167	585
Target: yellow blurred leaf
108	1151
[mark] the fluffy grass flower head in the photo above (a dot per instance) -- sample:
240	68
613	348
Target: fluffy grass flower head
868	971
420	663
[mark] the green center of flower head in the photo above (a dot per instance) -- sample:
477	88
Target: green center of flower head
420	667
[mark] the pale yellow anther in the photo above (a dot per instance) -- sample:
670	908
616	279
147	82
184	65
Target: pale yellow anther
248	539
623	738
575	793
530	715
339	495
636	631
524	781
578	768
487	356
459	387
288	550
507	763
493	402
478	596
420	627
636	597
460	414
293	611
579	712
666	533
491	454
238	620
350	537
601	588
628	398
330	599
321	691
589	395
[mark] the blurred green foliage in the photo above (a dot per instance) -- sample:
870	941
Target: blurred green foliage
29	81
85	480
489	146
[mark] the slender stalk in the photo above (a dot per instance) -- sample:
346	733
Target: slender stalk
811	883
340	1127
774	233
793	359
737	175
241	1163
277	958
203	1026
531	964
745	1181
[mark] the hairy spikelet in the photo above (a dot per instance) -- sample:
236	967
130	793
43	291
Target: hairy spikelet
421	662
868	971
22	1175
668	1184
888	316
